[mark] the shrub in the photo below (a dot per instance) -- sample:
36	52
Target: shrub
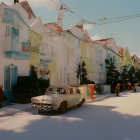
29	86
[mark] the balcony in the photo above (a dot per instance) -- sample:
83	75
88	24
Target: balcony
46	60
42	54
45	57
18	55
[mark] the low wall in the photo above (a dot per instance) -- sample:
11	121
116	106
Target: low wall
104	89
138	89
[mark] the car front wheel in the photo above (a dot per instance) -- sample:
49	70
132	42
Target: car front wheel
63	107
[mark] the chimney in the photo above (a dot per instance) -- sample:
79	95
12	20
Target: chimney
60	17
16	1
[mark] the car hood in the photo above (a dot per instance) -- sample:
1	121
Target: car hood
48	99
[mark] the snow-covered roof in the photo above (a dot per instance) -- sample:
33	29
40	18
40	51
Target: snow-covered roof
3	5
79	32
54	27
28	9
104	42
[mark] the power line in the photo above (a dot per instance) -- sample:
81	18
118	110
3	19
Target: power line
68	9
97	21
113	20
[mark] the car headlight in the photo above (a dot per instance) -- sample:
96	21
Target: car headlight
49	101
32	100
49	106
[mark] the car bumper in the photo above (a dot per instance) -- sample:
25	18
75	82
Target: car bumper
42	107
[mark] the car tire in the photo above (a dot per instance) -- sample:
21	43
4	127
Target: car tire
81	103
63	107
40	111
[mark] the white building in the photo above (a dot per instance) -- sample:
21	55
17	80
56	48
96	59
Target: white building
14	47
60	51
112	50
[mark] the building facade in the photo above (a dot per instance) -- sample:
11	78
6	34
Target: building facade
14	47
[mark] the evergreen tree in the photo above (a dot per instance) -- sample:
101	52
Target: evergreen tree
128	74
112	74
138	74
124	74
78	72
33	73
82	73
132	74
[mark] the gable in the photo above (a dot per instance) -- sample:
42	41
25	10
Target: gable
12	17
112	45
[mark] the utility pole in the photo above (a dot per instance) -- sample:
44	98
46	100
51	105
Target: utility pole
60	17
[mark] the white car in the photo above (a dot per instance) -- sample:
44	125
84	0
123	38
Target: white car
58	98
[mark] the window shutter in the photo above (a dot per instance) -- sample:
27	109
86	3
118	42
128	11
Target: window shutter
7	78
13	76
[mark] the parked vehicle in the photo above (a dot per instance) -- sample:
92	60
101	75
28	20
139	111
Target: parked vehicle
58	98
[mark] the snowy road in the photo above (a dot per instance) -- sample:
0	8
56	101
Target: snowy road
116	118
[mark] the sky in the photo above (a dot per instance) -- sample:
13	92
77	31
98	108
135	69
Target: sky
126	33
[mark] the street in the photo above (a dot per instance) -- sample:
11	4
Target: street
114	118
59	54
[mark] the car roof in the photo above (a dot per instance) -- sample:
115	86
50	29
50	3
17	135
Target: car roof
64	87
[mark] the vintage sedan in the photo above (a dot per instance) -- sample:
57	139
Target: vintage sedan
58	98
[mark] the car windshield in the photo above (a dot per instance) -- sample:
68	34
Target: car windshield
56	90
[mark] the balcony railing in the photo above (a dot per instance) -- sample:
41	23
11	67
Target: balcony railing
42	54
17	55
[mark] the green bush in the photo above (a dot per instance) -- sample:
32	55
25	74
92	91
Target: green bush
30	86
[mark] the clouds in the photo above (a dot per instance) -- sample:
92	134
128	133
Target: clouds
8	2
96	37
88	26
50	4
133	52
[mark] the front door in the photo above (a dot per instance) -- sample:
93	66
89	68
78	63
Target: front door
10	79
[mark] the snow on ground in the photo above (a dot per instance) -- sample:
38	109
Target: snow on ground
115	118
124	105
12	109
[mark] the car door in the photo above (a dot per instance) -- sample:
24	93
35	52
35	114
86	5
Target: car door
77	97
71	98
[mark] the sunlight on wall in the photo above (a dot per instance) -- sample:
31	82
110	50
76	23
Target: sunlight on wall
35	40
52	68
88	61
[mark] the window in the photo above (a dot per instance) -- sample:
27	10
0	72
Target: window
74	91
25	47
8	30
14	39
78	91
